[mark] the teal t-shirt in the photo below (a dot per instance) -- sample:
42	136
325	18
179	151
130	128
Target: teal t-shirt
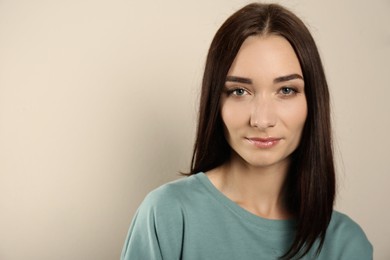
190	219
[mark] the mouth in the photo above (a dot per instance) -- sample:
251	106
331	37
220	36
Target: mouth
268	142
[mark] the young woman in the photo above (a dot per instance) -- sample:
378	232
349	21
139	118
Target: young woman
262	181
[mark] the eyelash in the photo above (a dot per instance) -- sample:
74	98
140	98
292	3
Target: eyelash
294	91
230	92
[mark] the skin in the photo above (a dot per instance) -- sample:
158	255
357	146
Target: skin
263	98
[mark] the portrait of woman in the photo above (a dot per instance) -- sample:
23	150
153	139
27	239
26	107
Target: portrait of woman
262	179
195	130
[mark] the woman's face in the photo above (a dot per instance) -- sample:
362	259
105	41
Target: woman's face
263	104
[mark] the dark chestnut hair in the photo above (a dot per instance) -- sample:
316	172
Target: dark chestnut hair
311	178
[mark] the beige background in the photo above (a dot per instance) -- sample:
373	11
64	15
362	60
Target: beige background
98	104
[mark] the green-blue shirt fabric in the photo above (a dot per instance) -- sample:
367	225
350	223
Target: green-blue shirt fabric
190	219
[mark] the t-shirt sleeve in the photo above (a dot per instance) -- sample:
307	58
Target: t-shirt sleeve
347	240
358	246
156	231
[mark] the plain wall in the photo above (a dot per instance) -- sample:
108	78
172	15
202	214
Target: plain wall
98	104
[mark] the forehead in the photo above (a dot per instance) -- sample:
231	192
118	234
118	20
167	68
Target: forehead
265	57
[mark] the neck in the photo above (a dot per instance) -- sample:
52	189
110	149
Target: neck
260	190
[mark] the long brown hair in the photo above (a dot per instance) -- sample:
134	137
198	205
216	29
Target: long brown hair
311	178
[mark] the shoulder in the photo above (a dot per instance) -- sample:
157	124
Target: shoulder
157	229
170	192
343	225
169	198
346	238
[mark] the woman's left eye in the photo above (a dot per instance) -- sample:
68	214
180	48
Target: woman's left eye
287	91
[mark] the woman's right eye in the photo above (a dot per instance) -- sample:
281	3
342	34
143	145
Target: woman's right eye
238	92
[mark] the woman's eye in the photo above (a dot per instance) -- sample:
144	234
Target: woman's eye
238	92
288	91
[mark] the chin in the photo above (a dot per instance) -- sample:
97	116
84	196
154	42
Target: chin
262	161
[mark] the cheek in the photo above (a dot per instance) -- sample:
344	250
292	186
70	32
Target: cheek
293	115
234	115
297	116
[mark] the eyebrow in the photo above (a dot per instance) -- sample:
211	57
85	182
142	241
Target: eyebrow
238	79
276	80
287	78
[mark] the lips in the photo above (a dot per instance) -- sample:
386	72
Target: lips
268	142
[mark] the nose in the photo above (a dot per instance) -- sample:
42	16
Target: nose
263	114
